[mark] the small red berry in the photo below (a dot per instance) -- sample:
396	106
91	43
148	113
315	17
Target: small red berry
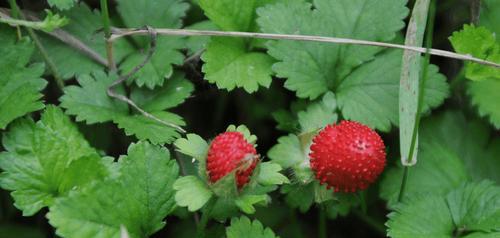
230	151
348	156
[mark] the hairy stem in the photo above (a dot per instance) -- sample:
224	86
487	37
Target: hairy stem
107	34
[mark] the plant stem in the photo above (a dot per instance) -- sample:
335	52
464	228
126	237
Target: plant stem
205	217
16	14
426	62
53	69
374	224
122	32
322	222
107	34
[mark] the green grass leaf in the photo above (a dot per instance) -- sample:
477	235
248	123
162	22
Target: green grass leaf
20	84
472	209
312	68
484	95
85	25
453	150
160	14
52	159
370	94
191	192
244	228
480	43
139	198
231	62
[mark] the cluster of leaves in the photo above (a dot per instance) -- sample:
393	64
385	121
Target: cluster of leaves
453	190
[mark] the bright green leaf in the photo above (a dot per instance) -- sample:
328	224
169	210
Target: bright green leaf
53	159
191	193
20	86
244	228
269	174
312	68
489	16
139	199
480	43
245	131
62	4
193	145
287	152
246	202
318	115
195	44
370	94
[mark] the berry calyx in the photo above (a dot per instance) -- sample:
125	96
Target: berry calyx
230	151
348	156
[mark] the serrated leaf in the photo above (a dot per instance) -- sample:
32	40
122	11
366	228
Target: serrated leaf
246	202
489	16
312	69
473	209
53	159
229	62
193	145
160	14
139	199
174	92
245	131
195	44
287	152
191	192
89	102
62	4
244	228
485	96
85	25
299	196
145	128
269	174
20	85
318	115
480	43
453	151
370	94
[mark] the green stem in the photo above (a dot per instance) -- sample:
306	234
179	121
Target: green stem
374	224
205	217
15	13
428	45
107	34
322	222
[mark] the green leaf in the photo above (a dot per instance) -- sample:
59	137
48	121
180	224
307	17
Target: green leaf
193	145
489	16
145	128
139	199
269	174
246	202
319	114
245	131
160	14
62	4
195	44
86	26
370	94
299	196
52	159
191	192
174	92
230	62
287	152
453	151
472	209
89	102
311	68
484	94
480	43
244	228
20	85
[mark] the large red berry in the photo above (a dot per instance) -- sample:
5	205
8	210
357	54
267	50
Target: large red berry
230	151
348	156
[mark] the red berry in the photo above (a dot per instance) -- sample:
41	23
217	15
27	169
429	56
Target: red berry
230	151
348	156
